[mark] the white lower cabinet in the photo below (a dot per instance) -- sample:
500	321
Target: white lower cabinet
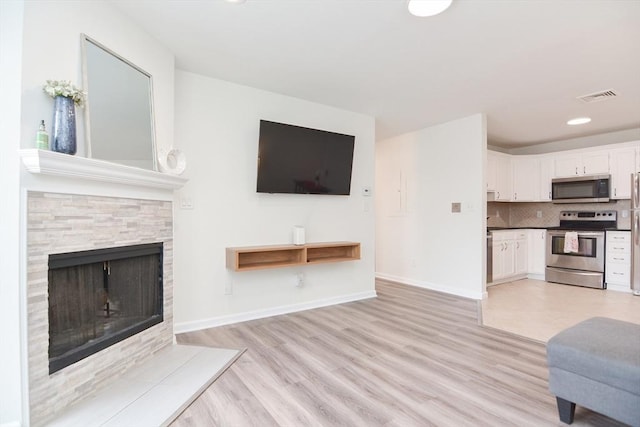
618	260
509	255
502	256
536	245
520	255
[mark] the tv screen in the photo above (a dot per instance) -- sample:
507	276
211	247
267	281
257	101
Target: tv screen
294	159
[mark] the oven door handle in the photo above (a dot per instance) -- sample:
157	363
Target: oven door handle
580	233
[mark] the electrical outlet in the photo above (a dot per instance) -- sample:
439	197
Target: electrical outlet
538	214
299	280
455	207
228	289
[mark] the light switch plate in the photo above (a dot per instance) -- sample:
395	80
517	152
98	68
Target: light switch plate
186	203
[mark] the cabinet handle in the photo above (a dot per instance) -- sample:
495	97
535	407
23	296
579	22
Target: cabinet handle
615	192
576	170
498	194
618	259
515	196
584	169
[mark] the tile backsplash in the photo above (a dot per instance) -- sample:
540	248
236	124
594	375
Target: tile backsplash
547	214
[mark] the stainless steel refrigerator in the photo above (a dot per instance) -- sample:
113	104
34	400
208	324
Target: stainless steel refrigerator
635	233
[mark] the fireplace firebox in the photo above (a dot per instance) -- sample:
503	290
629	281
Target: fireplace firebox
100	297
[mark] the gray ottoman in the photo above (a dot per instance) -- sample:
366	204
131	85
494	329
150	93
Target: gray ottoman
596	364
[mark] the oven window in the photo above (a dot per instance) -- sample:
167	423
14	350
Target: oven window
586	246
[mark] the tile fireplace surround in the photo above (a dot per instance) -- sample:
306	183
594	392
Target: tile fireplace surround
58	223
71	204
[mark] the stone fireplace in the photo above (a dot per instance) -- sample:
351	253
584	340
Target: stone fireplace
69	223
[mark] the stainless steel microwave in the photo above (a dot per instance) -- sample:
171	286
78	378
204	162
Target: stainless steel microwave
581	189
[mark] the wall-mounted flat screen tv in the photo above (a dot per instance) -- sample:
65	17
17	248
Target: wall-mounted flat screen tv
294	159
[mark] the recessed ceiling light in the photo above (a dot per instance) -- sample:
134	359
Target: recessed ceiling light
428	7
579	121
235	1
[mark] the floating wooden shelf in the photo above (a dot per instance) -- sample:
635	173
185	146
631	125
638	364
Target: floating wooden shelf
276	256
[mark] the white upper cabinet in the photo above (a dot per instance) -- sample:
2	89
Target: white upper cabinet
526	178
623	164
546	173
503	178
491	170
578	164
499	175
595	162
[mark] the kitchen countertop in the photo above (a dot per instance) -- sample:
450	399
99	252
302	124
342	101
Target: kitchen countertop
545	228
515	228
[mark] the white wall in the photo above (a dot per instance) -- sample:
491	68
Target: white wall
217	125
419	240
11	390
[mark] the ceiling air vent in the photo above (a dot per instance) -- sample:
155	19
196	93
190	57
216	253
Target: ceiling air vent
598	96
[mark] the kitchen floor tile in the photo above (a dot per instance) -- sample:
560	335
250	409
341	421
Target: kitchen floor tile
538	310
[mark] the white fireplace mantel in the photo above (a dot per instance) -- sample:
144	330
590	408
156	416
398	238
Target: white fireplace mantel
64	165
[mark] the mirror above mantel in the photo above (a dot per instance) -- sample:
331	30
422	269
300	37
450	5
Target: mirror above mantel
119	117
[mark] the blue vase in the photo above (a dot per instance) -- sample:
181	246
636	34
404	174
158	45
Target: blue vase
63	133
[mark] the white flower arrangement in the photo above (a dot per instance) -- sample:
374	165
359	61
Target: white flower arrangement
64	88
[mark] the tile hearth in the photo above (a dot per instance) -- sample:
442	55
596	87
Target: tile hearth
152	394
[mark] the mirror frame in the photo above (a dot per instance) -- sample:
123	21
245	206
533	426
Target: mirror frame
84	39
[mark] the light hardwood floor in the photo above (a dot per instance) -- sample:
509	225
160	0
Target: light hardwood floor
410	357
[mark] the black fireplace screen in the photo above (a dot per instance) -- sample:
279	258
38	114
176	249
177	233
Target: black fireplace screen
100	297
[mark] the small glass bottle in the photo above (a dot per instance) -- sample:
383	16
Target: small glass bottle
42	137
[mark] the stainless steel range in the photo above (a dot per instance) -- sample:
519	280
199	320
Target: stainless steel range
575	249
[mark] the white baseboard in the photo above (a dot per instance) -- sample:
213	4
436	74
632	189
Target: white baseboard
508	279
11	424
433	286
179	328
619	288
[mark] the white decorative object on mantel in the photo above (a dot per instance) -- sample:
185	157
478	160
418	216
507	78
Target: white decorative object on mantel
64	165
172	161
